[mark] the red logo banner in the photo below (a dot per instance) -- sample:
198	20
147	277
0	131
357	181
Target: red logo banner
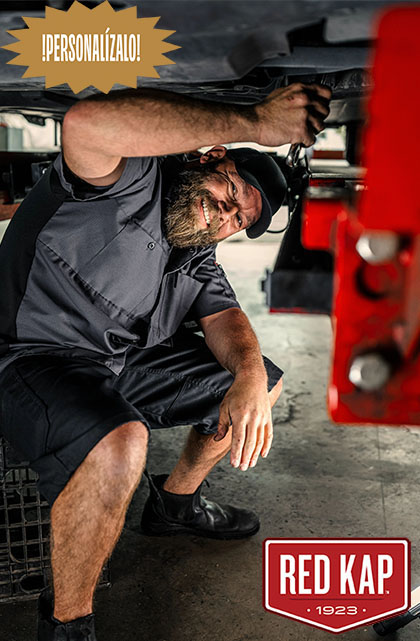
336	584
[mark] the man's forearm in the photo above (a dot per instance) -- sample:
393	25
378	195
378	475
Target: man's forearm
101	130
246	407
153	123
232	340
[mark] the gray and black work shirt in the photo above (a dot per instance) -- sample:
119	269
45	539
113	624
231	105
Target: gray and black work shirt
90	272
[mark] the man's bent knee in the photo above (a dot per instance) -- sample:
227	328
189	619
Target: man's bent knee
127	438
113	468
123	450
121	456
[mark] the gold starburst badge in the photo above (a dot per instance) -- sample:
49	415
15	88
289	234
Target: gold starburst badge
84	47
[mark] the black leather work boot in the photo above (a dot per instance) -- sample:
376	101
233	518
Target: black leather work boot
167	514
49	629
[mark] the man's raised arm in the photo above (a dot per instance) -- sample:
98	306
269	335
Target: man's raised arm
100	131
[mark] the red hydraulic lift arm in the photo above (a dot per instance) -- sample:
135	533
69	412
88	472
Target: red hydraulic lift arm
375	374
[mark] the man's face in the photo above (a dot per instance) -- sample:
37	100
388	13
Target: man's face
212	202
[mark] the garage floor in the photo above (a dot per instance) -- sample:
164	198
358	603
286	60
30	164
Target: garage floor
319	480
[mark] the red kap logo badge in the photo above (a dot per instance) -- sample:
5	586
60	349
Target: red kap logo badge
336	584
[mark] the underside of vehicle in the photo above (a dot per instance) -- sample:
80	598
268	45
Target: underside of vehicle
236	52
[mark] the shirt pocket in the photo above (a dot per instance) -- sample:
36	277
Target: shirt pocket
126	271
177	296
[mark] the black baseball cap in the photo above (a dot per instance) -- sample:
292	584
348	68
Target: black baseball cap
262	172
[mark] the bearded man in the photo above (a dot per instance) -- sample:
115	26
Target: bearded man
104	261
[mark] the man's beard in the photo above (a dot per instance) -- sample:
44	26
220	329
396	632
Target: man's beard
182	215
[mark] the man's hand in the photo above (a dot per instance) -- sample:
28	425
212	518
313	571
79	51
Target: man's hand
247	404
247	407
294	114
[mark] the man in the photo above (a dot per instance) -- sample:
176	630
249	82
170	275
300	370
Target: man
109	254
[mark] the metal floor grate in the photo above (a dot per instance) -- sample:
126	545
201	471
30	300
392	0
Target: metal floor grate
24	531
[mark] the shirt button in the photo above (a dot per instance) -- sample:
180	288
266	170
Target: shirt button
151	245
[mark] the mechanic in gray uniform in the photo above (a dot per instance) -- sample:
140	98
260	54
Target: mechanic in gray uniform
106	259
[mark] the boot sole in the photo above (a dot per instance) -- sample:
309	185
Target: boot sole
175	530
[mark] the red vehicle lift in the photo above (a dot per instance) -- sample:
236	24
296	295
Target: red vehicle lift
372	227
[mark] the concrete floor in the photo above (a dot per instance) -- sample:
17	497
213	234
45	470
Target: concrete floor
320	479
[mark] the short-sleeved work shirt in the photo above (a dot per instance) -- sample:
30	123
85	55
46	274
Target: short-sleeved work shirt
90	273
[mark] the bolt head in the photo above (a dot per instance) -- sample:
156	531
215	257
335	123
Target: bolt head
378	247
369	372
